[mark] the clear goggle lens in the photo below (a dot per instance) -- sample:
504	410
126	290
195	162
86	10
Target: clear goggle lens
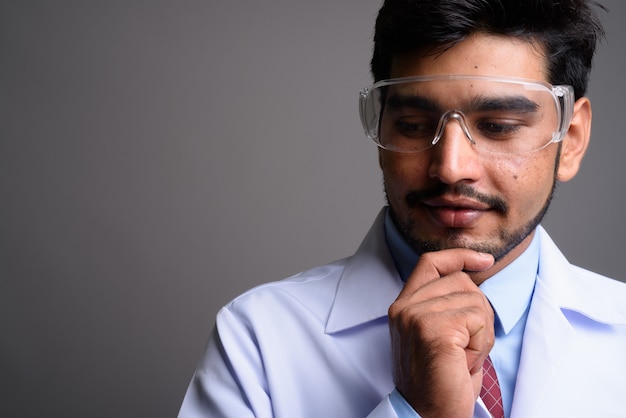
499	115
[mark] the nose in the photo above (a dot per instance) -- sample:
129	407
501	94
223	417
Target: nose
453	156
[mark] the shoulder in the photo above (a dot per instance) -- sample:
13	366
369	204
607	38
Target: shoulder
344	293
600	287
592	280
312	290
595	296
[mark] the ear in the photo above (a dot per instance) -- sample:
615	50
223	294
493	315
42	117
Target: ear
576	140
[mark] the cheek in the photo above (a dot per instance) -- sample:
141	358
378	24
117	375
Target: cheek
509	173
402	167
402	172
527	182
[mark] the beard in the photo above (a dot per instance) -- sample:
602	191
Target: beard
507	239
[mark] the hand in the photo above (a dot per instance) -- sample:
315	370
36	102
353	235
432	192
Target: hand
441	332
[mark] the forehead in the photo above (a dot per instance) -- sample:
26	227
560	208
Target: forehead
479	54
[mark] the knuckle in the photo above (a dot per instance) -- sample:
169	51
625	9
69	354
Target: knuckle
394	311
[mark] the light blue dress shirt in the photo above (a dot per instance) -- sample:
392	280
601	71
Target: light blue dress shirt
509	292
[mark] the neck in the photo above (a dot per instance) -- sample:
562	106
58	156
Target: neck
480	276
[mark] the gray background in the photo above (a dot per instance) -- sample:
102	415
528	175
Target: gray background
158	158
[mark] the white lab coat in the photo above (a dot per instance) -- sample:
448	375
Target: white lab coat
317	344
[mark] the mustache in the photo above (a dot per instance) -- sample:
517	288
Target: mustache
415	197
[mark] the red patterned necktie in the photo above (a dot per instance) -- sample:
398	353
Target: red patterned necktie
490	392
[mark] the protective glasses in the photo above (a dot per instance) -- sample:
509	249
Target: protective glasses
498	115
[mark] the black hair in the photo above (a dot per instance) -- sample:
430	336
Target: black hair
568	30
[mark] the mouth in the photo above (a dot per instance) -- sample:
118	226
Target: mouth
455	212
458	206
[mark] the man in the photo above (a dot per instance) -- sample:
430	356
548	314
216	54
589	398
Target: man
478	109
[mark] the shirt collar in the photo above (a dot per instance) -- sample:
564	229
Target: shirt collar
509	291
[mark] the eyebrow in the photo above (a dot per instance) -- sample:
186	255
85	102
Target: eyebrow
398	101
518	104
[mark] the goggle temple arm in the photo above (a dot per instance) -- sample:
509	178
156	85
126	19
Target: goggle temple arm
566	99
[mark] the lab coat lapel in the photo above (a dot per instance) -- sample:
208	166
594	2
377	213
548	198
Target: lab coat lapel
546	346
547	339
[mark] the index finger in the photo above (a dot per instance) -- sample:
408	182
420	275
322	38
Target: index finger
436	264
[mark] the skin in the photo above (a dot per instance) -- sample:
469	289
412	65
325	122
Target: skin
441	325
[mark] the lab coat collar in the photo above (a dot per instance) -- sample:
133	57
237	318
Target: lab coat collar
574	289
369	284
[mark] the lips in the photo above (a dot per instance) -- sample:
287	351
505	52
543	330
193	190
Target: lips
455	212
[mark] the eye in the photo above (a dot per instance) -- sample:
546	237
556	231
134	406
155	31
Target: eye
500	129
417	127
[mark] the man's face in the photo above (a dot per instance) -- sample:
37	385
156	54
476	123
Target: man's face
452	194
